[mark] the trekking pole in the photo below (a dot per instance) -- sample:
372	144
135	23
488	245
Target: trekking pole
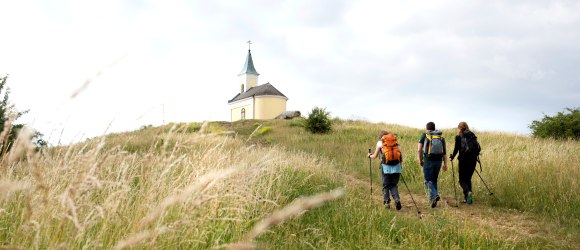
490	192
371	178
371	174
413	199
481	169
454	188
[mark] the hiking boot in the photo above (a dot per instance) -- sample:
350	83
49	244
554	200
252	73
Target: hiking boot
398	205
469	198
387	204
434	201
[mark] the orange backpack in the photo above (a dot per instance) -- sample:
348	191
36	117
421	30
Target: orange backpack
390	151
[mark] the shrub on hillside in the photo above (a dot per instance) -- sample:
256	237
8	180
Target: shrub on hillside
264	130
8	127
318	121
561	126
145	127
193	127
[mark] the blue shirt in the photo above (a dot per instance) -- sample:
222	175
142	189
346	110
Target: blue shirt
391	169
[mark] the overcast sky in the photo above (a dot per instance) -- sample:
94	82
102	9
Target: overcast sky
84	66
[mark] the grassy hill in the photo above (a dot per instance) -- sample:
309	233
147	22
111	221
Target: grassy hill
269	184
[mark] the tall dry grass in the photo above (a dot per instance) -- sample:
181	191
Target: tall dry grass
173	188
148	190
531	175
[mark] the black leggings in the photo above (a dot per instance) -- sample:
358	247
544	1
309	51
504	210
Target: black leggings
466	169
390	182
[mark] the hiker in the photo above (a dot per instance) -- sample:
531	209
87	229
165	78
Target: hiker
391	158
468	152
431	151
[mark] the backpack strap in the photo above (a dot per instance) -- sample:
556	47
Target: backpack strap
425	144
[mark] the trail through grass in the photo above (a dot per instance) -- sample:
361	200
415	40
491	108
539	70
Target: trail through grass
202	186
536	193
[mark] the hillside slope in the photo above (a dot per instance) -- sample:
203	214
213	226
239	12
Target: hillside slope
536	201
269	184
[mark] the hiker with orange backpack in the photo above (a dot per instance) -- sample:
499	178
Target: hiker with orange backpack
391	158
468	148
431	151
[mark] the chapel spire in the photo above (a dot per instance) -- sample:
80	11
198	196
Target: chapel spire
249	65
249	75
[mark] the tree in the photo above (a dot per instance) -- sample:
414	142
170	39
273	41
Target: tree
561	126
318	121
8	115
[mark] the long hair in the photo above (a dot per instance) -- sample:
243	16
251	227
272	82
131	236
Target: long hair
462	127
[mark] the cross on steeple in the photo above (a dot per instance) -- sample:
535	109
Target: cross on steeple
249	44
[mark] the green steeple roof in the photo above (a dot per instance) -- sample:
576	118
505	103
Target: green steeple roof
249	66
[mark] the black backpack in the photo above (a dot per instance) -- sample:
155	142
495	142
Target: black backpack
469	144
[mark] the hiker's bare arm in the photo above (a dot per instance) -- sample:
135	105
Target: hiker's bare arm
420	153
399	147
376	153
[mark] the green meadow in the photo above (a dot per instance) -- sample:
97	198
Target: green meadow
272	185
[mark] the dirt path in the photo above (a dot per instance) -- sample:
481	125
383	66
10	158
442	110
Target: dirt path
510	225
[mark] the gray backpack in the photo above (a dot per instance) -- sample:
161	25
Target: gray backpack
433	144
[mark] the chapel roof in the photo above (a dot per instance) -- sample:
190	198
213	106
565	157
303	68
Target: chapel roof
260	90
